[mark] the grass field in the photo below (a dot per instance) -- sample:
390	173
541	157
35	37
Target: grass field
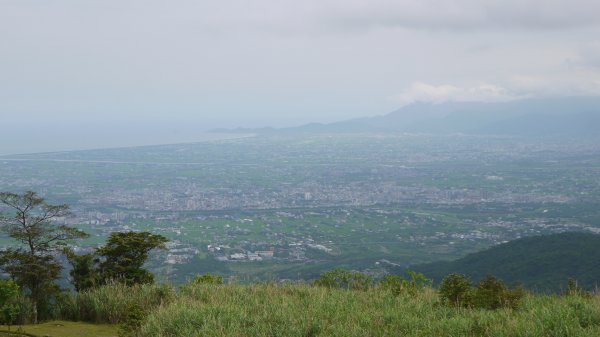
65	329
303	310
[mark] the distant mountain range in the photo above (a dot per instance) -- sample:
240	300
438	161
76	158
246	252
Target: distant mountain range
566	116
540	263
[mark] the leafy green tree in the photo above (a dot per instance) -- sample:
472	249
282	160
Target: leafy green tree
122	257
84	274
32	263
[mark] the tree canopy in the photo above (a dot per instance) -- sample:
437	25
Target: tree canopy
29	220
124	254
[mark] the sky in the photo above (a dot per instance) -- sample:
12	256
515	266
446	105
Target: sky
96	66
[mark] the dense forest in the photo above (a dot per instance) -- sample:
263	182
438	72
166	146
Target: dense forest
540	263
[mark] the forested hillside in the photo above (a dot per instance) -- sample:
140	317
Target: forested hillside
540	263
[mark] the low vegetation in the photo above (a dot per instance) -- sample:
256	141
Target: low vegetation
490	293
393	306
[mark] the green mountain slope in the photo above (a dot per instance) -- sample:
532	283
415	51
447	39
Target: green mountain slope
540	263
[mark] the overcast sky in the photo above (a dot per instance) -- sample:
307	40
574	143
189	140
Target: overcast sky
277	62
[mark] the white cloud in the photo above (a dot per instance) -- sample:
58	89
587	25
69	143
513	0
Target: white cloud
423	92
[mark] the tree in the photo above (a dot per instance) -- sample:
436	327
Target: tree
32	263
84	274
122	257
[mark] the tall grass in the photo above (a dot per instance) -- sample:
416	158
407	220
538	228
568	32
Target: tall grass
307	311
111	303
302	310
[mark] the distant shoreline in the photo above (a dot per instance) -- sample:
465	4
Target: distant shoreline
132	143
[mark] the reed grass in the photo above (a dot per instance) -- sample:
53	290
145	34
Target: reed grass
111	303
302	310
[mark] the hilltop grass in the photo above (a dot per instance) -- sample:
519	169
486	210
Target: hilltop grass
64	329
302	310
112	303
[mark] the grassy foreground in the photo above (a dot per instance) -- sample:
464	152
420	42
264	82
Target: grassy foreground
302	310
65	329
307	311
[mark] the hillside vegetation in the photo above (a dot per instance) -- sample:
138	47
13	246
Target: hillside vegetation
540	263
306	310
339	303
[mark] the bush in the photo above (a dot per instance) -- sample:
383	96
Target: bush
393	283
136	315
397	284
491	293
9	294
207	278
573	289
342	278
455	290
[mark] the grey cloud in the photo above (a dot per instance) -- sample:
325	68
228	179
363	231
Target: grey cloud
281	62
466	14
590	55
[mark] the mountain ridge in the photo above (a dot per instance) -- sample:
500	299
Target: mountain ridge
576	116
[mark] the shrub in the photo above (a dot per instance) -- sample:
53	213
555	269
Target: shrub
207	278
455	289
393	283
417	280
342	278
491	293
135	317
397	284
9	294
573	289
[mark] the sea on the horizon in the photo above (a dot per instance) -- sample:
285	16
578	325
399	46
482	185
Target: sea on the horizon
40	139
